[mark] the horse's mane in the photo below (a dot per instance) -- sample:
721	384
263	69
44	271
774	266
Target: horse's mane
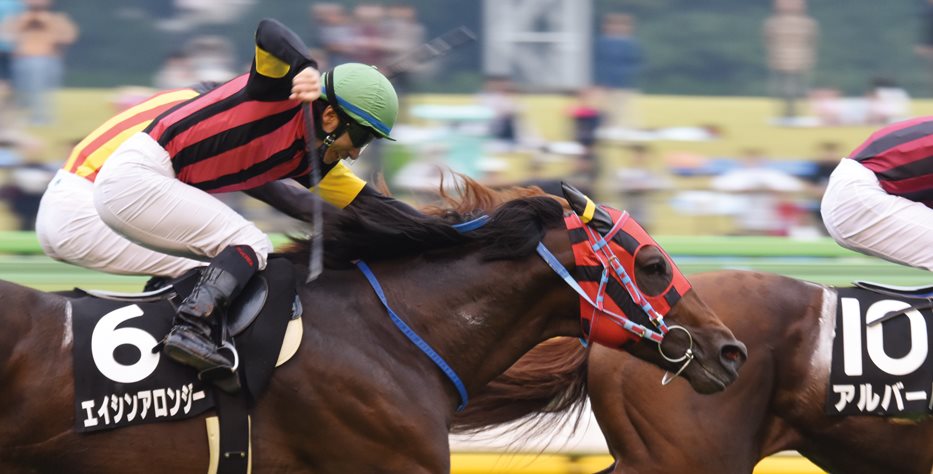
376	229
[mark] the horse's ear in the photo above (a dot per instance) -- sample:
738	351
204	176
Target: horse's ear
584	207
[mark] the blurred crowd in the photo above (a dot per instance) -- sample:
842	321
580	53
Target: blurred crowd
601	145
33	39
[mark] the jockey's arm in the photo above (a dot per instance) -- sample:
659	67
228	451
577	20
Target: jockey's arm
280	55
344	189
292	199
340	189
370	193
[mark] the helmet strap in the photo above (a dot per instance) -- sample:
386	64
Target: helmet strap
328	139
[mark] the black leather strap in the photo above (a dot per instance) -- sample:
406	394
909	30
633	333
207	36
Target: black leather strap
233	418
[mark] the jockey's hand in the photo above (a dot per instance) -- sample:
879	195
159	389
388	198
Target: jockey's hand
306	85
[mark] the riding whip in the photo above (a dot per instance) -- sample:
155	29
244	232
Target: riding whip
316	253
437	47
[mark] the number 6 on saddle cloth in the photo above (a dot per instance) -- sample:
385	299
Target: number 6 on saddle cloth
119	381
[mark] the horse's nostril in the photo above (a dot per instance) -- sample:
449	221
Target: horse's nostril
733	353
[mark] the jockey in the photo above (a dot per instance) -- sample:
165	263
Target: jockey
878	199
135	195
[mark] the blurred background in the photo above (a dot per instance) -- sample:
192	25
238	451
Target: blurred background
714	123
723	118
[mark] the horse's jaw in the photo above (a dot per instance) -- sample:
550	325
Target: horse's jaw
697	347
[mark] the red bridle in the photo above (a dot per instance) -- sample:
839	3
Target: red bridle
605	266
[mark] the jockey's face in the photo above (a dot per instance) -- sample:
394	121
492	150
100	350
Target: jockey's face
343	146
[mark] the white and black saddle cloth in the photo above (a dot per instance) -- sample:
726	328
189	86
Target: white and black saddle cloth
121	381
881	361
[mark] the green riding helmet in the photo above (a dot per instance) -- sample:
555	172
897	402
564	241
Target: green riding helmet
364	94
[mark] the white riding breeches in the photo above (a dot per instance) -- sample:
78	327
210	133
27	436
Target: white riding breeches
137	194
862	216
69	229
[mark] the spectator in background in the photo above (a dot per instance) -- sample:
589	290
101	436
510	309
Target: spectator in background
334	33
403	34
587	118
176	72
498	95
26	177
212	58
8	9
638	182
887	102
24	191
826	159
41	38
924	47
762	195
369	40
618	59
790	37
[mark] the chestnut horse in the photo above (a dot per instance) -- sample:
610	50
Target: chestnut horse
777	404
358	396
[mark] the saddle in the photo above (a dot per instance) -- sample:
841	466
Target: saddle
242	312
114	334
922	294
912	292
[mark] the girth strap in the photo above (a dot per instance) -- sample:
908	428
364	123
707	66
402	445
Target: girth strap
233	416
414	337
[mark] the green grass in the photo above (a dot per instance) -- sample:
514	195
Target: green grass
45	274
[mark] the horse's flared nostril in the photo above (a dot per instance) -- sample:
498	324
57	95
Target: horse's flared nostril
733	355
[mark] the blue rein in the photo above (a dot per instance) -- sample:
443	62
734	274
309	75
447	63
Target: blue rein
471	225
412	336
415	338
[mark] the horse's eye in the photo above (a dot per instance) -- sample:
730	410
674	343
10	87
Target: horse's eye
653	272
658	267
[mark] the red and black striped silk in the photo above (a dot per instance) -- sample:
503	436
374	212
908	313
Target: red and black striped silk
901	156
92	152
588	269
224	141
245	132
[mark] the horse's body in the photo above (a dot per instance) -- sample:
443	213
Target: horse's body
358	396
777	404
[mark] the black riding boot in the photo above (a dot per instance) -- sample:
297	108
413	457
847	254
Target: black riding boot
190	341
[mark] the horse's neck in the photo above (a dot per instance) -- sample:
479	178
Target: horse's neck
480	316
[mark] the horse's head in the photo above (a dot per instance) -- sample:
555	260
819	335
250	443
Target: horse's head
634	297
